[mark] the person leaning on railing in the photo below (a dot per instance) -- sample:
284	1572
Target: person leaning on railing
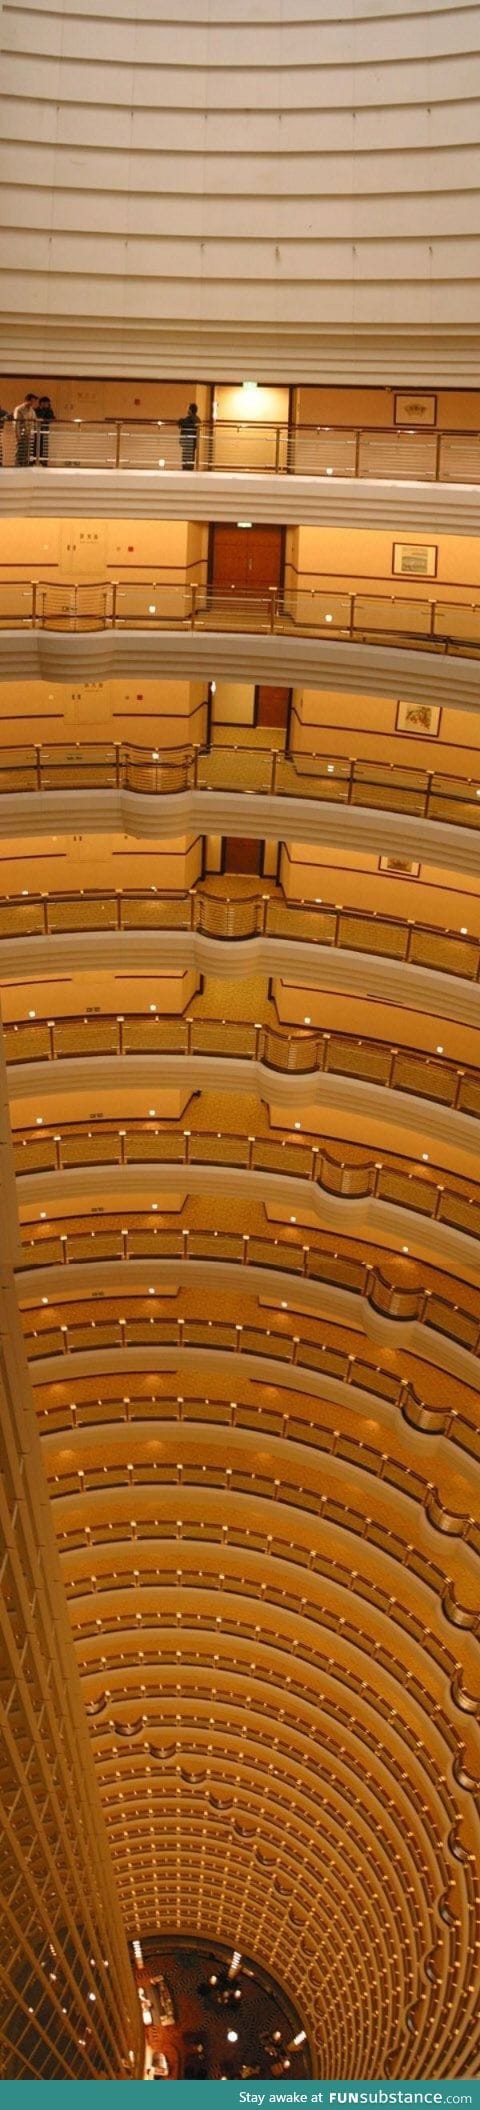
188	427
25	421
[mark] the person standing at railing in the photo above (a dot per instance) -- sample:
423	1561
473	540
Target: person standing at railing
45	418
25	422
188	427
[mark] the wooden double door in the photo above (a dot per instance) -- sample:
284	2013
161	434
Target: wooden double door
246	560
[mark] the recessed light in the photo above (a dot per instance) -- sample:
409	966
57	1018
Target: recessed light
307	1021
439	1049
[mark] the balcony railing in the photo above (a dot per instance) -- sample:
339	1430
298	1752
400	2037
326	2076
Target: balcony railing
450	1200
412	454
374	617
403	1303
240	918
97	766
291	1052
49	1335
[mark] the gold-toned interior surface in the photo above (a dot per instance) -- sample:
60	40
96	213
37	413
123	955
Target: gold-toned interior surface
244	1104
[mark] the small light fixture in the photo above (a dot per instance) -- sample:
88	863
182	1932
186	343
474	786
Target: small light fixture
232	2036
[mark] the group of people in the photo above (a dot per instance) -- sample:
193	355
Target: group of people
31	419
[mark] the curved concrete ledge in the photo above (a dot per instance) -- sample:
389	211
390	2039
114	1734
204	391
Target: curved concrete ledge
234	1365
161	494
317	663
143	816
381	1222
322	1300
46	1080
366	975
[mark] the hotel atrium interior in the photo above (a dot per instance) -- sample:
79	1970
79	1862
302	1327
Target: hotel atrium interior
240	1056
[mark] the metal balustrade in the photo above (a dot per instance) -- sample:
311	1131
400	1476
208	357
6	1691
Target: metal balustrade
375	617
451	1200
289	1052
240	918
48	1335
400	1302
262	447
426	794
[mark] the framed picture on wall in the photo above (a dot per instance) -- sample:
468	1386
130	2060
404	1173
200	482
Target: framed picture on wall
415	410
422	718
400	866
415	560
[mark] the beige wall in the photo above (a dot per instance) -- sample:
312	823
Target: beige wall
103	400
145	713
454	410
95	548
161	217
308	873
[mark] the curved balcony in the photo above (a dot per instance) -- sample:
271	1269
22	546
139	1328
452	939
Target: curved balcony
141	1151
79	1470
295	1262
63	1336
293	1054
98	788
434	622
428	969
154	772
258	447
423	676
